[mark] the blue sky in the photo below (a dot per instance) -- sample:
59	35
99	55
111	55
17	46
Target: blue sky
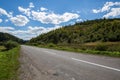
29	18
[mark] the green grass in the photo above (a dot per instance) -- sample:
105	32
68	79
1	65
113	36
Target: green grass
80	50
2	48
9	64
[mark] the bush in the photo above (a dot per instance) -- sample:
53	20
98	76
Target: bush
51	45
10	45
1	43
34	44
101	47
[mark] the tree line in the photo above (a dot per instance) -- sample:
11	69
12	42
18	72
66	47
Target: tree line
103	30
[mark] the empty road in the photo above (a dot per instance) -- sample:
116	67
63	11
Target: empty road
48	64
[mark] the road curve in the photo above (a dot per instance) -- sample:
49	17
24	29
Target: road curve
48	64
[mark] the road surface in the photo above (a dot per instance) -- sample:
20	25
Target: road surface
48	64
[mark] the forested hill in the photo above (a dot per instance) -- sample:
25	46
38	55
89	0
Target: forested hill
4	37
89	31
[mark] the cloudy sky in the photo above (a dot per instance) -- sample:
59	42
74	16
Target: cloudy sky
29	18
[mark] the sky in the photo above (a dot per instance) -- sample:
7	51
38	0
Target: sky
27	19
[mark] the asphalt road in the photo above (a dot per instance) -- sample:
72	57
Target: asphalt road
48	64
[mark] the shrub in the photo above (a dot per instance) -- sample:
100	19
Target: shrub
34	44
1	43
101	47
51	45
10	45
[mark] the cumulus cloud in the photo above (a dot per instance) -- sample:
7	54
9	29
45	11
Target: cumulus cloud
32	31
19	33
46	17
6	20
107	6
23	34
113	13
43	9
79	20
4	12
1	20
43	15
31	5
19	20
25	11
112	9
6	29
36	30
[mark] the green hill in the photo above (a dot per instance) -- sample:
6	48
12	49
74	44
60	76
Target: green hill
103	30
4	37
101	36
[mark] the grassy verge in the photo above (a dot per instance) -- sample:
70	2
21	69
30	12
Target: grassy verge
9	64
2	48
78	50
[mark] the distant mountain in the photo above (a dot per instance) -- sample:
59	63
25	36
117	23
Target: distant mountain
89	31
6	37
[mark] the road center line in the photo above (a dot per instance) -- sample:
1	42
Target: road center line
115	69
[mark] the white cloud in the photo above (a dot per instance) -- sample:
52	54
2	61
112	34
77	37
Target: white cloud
6	29
79	20
1	20
113	13
23	34
29	33
31	5
107	6
46	17
6	20
112	9
36	30
43	16
4	12
19	20
25	11
95	11
43	9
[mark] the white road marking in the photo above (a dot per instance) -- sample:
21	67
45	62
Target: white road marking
115	69
95	64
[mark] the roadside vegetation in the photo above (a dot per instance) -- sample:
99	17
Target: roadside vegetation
9	64
101	36
98	48
9	54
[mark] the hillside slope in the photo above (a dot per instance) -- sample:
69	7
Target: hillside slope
4	37
103	30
